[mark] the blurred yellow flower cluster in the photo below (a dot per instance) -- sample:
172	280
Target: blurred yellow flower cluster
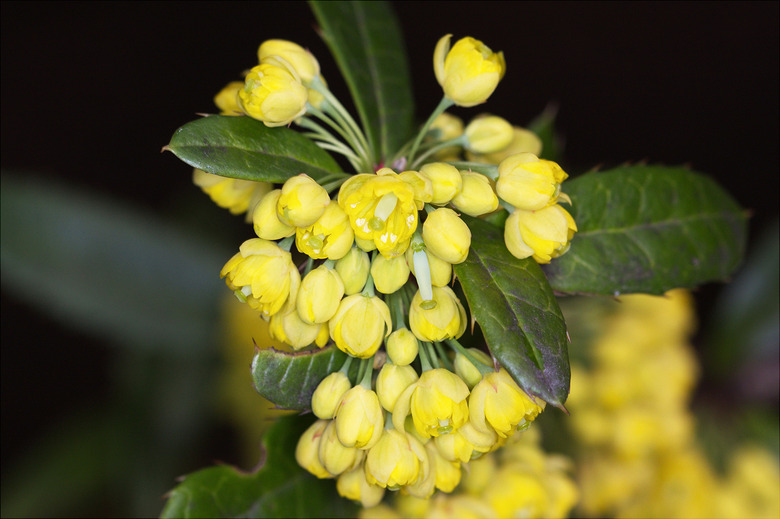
520	480
630	413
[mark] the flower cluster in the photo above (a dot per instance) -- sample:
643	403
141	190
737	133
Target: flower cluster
630	414
365	262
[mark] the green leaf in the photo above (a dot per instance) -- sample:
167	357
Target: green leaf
518	313
648	229
279	488
107	268
289	379
241	147
544	128
367	42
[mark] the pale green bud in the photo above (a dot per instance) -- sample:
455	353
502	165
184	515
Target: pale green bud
402	347
353	269
328	395
466	370
478	195
446	235
523	141
445	180
488	134
389	274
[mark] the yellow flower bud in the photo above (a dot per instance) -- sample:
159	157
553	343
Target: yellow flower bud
272	94
488	134
266	222
529	183
437	402
353	485
445	320
447	236
302	201
402	347
359	418
227	98
395	460
421	185
335	457
389	274
497	402
328	395
481	441
329	237
478	195
303	61
263	275
307	450
462	506
543	234
445	128
392	381
360	324
447	472
353	269
516	493
441	271
287	327
425	485
233	194
381	208
454	446
319	295
523	141
445	180
469	71
466	370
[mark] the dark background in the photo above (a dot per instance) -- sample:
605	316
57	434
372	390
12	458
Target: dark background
92	91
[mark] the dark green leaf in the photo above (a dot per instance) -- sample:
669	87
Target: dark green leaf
107	268
544	127
648	229
241	147
366	41
279	488
289	379
518	313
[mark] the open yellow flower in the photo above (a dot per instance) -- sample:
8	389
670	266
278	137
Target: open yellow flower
543	234
469	71
382	209
498	403
437	402
273	94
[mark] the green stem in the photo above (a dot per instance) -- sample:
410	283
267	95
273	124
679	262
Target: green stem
446	144
442	106
428	347
286	243
368	373
329	187
345	367
455	345
423	354
309	265
443	356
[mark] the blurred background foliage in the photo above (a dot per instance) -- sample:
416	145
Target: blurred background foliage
118	371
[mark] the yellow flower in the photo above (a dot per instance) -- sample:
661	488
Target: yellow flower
515	493
303	61
529	183
543	234
335	457
523	141
497	402
488	134
227	98
353	269
421	185
437	402
392	381
446	320
328	395
469	71
447	472
395	460
302	201
319	295
360	324
233	194
478	195
382	209
353	485
266	222
273	94
263	275
329	237
402	347
289	328
466	370
445	180
307	450
454	446
389	274
447	236
359	418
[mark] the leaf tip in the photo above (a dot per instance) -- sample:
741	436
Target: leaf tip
166	148
561	407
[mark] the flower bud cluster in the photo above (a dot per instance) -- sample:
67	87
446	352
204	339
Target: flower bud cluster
406	430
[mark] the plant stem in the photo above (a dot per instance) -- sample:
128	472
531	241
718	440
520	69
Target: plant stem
440	108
